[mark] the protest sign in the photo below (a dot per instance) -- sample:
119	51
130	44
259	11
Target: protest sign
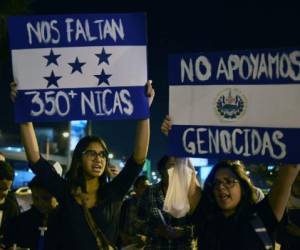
236	105
73	67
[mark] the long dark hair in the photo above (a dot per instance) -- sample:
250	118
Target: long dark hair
248	196
6	171
161	164
75	176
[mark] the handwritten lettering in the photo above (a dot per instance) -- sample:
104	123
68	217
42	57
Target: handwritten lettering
259	66
51	32
97	102
263	65
44	32
89	31
245	142
200	68
100	102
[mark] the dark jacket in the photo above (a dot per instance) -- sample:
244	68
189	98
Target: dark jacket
73	226
23	230
10	209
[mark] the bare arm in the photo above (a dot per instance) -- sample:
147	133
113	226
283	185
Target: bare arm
47	174
29	141
143	132
281	189
141	141
28	136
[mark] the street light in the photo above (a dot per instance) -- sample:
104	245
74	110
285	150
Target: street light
66	134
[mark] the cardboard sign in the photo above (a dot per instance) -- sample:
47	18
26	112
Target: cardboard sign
236	105
73	67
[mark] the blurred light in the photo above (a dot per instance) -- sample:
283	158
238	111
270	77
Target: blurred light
154	177
110	156
66	134
79	123
153	173
121	164
199	161
13	149
204	172
247	172
78	131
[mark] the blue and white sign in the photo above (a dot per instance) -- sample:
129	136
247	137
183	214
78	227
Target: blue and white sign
79	67
236	105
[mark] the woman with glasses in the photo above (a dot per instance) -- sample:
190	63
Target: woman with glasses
289	236
232	217
229	215
89	205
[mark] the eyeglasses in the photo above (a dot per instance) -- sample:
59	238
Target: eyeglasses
227	183
92	154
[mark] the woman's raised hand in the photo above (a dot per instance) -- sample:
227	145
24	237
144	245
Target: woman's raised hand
13	91
166	125
150	92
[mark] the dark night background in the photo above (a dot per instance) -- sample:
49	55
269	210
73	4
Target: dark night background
186	26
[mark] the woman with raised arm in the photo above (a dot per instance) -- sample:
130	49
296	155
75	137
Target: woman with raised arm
89	205
229	214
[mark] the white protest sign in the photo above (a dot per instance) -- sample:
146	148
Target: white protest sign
73	67
236	105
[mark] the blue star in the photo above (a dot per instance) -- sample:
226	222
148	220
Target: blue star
52	58
103	78
103	57
76	66
52	79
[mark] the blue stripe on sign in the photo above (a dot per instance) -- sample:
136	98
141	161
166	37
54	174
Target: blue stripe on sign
268	66
77	30
265	145
81	104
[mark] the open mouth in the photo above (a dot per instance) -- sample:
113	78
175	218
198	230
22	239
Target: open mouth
223	197
97	168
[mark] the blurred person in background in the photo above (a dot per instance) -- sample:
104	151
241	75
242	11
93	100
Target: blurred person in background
289	235
8	204
26	229
170	229
131	228
112	171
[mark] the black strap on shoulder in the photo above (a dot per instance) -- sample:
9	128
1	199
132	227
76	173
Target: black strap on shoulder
261	231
